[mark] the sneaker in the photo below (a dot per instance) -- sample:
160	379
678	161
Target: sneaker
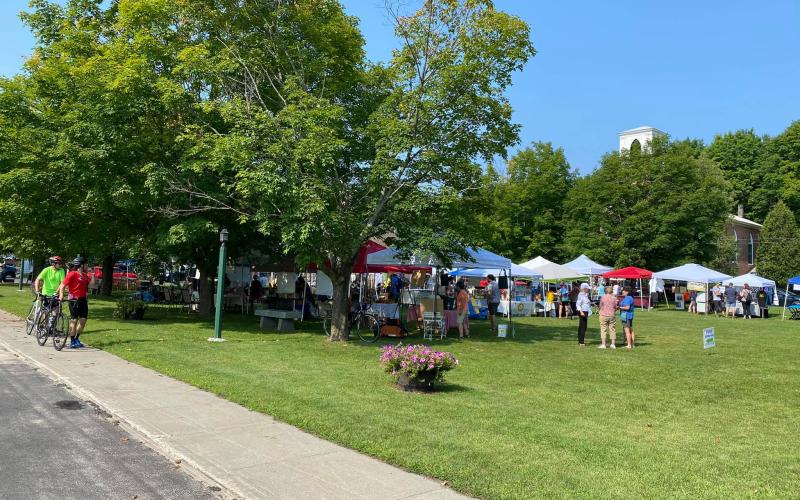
78	344
601	347
612	346
582	345
628	347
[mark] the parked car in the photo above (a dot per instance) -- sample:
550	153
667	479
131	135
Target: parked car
9	272
119	276
793	298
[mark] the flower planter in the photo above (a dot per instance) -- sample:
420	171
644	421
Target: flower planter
423	382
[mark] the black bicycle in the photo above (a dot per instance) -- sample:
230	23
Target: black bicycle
53	324
365	324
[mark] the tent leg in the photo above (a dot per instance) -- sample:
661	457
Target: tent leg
785	299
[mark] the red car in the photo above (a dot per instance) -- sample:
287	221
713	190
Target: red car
119	276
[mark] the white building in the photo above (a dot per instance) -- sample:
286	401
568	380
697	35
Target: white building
639	137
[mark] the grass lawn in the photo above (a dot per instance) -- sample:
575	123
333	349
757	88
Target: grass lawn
527	417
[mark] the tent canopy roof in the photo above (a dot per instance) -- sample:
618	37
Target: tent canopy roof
795	280
585	265
692	272
752	280
479	259
536	261
630	272
516	271
550	271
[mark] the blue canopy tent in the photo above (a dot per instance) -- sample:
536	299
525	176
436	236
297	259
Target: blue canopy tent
516	271
792	281
477	258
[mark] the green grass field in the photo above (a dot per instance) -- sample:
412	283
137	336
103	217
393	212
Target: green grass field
534	416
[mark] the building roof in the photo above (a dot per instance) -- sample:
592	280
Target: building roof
744	222
645	128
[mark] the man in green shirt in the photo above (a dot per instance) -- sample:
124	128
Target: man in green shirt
50	278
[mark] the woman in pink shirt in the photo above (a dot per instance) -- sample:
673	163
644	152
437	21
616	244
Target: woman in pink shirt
608	319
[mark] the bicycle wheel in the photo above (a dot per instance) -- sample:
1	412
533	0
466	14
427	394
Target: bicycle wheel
60	329
42	330
366	327
30	321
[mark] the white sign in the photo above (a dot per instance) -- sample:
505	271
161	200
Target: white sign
679	305
709	340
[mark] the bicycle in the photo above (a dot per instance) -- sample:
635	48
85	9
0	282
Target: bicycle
34	316
363	323
53	324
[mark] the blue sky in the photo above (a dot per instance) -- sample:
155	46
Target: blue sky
692	69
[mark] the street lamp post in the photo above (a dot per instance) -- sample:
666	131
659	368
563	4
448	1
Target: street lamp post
223	238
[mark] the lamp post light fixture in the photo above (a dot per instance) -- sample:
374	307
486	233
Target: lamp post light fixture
223	238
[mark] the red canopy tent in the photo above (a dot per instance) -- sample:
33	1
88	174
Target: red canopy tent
629	273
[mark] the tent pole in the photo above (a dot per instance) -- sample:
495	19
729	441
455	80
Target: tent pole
785	298
706	306
641	300
510	291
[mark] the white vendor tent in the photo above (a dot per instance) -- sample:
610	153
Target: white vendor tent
479	259
752	280
551	271
693	273
587	266
537	261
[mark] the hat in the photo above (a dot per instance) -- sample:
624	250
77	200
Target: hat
585	286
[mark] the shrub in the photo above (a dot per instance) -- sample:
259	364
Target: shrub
130	308
414	359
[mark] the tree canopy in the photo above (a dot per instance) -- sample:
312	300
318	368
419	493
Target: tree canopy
779	245
656	208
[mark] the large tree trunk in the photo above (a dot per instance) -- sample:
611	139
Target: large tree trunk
340	302
39	263
108	276
205	290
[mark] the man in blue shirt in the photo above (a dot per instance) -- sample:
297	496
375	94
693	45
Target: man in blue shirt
626	309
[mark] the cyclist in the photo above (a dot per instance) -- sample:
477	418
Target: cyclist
77	283
49	280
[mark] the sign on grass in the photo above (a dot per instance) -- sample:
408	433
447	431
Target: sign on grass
709	340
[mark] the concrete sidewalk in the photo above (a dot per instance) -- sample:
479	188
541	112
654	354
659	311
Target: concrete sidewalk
248	453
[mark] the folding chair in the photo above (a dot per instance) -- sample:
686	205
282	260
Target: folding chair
431	324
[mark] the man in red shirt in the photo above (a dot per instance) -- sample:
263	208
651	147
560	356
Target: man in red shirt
77	283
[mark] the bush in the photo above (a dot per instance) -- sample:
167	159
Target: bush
130	308
414	359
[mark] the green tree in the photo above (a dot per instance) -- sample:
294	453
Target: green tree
526	212
785	151
740	156
331	151
658	208
779	245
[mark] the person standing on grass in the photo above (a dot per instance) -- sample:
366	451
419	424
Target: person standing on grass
563	300
730	300
608	319
493	300
462	310
550	305
746	297
573	300
626	315
583	306
716	295
77	283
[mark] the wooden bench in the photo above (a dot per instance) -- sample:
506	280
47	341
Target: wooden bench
276	319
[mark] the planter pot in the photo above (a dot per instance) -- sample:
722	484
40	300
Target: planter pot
423	382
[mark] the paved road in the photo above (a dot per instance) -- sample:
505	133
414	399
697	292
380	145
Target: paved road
53	445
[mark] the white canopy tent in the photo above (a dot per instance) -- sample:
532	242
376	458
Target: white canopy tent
587	266
752	280
693	273
535	262
551	271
